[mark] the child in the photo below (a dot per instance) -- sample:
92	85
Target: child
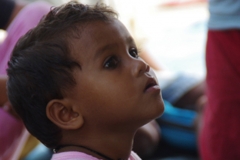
79	85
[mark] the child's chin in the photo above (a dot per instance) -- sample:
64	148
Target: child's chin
160	110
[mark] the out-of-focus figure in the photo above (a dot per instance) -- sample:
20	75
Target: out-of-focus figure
220	133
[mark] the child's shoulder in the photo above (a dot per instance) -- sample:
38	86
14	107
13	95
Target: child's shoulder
134	156
72	155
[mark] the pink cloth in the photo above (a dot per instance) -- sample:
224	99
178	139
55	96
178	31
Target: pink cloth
73	155
28	17
10	129
219	138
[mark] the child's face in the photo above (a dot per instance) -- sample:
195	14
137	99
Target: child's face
114	86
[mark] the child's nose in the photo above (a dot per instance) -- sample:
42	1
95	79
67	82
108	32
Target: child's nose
139	67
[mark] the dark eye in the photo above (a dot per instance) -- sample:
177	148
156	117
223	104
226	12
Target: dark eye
111	62
133	52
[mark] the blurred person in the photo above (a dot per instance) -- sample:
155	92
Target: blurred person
16	18
219	138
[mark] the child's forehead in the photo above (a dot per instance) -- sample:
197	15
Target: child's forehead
96	34
100	25
92	30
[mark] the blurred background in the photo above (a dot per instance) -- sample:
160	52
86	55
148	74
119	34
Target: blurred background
173	32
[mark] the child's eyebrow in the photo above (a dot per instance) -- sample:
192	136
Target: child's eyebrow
110	46
130	40
104	49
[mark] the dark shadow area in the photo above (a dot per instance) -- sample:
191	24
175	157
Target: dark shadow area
168	152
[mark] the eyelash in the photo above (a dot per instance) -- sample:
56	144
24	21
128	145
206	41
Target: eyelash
134	55
111	62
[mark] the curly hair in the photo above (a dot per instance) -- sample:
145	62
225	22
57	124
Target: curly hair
41	66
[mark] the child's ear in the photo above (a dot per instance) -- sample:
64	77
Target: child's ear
63	114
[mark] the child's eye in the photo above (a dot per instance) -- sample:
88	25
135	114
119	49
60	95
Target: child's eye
133	52
111	62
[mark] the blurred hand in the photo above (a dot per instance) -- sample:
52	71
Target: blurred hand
8	108
147	139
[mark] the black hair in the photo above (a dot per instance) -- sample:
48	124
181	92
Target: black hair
41	66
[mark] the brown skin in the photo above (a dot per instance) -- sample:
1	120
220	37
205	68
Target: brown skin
109	101
4	99
191	98
3	90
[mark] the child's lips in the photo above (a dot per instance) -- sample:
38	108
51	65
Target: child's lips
151	86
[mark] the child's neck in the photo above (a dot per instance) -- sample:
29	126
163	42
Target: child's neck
102	145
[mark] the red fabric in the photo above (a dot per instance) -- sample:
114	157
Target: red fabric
220	136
